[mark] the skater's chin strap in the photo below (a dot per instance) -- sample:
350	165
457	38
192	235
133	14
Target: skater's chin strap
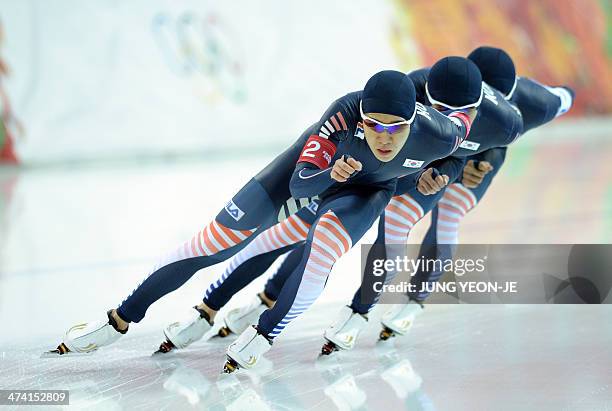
114	324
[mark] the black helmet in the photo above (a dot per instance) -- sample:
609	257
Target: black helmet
496	67
390	92
455	83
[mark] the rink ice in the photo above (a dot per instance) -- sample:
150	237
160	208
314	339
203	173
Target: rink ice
75	240
455	358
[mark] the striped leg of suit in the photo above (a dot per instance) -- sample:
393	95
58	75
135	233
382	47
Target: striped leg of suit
253	210
177	266
342	221
442	238
211	240
330	241
402	213
395	224
272	243
454	205
276	281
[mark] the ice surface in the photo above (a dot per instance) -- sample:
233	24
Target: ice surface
455	358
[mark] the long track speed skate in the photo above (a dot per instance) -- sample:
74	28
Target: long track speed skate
183	333
343	334
246	350
86	338
239	319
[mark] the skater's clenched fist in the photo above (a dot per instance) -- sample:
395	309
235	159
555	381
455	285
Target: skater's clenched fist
473	174
343	169
430	182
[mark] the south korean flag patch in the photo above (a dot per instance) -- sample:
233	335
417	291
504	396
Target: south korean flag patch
410	163
469	145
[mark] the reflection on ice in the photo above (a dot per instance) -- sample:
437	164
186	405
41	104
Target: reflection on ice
400	375
189	383
346	394
248	401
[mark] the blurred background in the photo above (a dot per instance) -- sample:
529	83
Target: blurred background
114	79
126	125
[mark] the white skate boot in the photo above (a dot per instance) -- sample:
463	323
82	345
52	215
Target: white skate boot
399	319
88	337
239	319
246	350
190	329
344	332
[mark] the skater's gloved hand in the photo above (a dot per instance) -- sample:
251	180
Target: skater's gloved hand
344	168
430	182
473	174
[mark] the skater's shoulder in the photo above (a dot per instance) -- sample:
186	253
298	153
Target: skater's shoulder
434	132
435	124
341	118
349	101
499	110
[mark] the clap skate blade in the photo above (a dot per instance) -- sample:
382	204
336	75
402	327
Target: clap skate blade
328	348
230	366
165	347
386	333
